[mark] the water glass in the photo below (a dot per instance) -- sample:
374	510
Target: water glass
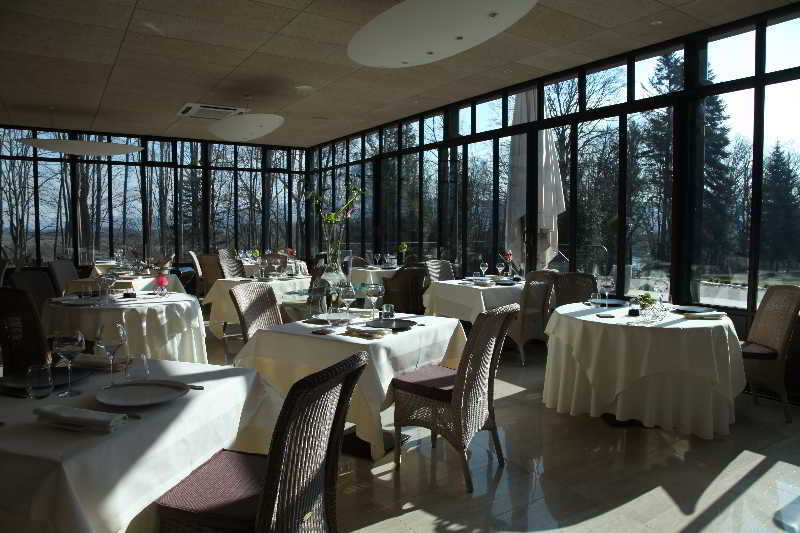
39	381
388	311
137	367
605	299
68	345
594	299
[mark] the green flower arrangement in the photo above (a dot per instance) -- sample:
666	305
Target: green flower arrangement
402	247
644	300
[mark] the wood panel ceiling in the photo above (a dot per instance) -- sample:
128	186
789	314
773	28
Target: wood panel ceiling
128	65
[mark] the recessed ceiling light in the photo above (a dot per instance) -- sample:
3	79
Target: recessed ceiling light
404	35
656	22
304	88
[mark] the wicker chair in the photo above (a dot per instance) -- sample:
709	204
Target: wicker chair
439	270
534	312
573	287
545	276
212	271
62	271
37	283
766	349
270	258
231	266
358	262
256	306
22	340
200	289
456	404
404	290
293	489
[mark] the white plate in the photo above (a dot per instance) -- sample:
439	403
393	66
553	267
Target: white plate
693	309
142	393
611	302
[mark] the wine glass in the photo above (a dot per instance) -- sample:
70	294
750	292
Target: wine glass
111	345
373	291
501	267
484	266
377	258
347	295
276	265
68	345
39	381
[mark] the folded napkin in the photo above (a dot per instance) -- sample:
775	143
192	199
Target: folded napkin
97	362
710	315
80	419
367	333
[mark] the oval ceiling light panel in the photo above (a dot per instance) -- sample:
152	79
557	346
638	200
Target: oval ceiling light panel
243	128
75	147
417	32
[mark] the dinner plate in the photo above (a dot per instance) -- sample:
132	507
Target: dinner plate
142	393
610	302
394	324
692	309
505	282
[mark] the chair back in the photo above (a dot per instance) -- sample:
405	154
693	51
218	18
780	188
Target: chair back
3	269
545	276
231	266
302	469
270	258
535	303
775	317
439	270
212	271
410	259
404	290
474	388
198	270
62	271
22	340
165	262
358	261
256	306
37	283
574	287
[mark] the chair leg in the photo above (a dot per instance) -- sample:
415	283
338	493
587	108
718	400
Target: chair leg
398	444
465	467
754	393
522	353
787	412
498	450
433	439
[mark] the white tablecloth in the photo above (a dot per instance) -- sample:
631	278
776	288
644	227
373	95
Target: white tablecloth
680	374
465	301
164	328
222	308
135	283
286	353
102	267
369	275
252	269
79	482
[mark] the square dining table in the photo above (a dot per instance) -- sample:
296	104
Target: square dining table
58	480
465	300
283	354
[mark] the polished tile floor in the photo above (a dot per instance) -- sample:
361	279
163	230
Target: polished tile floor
580	474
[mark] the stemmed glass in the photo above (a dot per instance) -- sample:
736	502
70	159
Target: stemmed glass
373	291
68	345
347	295
484	266
111	345
501	267
376	257
276	265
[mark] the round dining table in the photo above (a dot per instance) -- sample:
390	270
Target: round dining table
678	372
163	327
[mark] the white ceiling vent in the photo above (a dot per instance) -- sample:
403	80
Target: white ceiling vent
211	112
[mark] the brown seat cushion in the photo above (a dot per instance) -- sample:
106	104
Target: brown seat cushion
432	381
751	350
223	492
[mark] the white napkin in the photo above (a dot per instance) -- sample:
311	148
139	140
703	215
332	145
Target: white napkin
77	418
707	315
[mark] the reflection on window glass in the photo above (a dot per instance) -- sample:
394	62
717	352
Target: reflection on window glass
411	134
299	226
298	160
250	210
511	193
434	128
450	245
606	87
730	58
390	214
134	156
355	149
522	107
661	74
480	192
649	193
561	98
464	121
160	197
326	157
276	210
783	41
222	208
220	155
248	157
367	204
430	203
354	223
371	144
779	261
596	204
489	115
721	213
409	202
339	153
16	199
55	189
390	138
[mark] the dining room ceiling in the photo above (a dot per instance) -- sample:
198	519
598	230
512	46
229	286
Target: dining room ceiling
128	66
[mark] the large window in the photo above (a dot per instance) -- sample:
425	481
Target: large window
480	195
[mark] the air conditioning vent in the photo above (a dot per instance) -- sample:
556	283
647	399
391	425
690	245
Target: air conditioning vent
210	112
